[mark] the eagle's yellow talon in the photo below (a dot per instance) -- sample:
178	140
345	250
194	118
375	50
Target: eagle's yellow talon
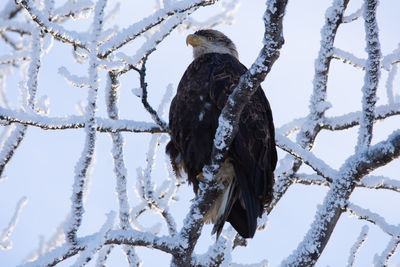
200	177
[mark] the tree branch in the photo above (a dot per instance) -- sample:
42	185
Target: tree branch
372	75
355	167
84	163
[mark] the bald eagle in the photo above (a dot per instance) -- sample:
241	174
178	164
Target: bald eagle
247	171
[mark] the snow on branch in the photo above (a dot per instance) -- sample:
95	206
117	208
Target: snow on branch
114	237
318	104
135	30
353	16
225	16
372	75
389	251
347	57
15	57
378	220
27	96
95	244
72	9
72	122
120	170
157	37
353	118
73	79
307	157
84	163
357	245
389	85
380	182
6	232
391	58
57	31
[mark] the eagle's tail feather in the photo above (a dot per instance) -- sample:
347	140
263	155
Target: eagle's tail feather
228	199
244	218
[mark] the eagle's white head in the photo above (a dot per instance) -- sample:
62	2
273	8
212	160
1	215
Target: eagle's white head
211	41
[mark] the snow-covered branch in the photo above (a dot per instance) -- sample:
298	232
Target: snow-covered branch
84	163
6	232
57	31
372	75
357	245
120	170
374	218
74	122
137	29
306	156
318	104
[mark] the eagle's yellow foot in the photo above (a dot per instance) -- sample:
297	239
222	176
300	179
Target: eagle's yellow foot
200	177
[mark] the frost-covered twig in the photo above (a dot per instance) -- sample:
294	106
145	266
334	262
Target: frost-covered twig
389	251
6	232
218	254
151	43
143	84
14	57
357	245
391	58
349	58
55	239
28	93
95	244
72	122
290	127
10	10
137	29
354	16
380	182
73	79
389	84
119	165
103	255
72	9
353	118
318	104
57	31
225	16
114	237
84	163
372	75
310	179
306	156
365	214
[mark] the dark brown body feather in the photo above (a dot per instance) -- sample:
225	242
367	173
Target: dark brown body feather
193	119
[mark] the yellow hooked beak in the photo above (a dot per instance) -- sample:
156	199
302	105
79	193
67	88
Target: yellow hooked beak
194	40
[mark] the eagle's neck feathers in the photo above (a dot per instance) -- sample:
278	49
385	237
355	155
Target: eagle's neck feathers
201	50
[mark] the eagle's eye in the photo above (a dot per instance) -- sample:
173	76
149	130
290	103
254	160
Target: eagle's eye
210	38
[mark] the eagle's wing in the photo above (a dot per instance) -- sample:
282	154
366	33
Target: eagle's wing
194	113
